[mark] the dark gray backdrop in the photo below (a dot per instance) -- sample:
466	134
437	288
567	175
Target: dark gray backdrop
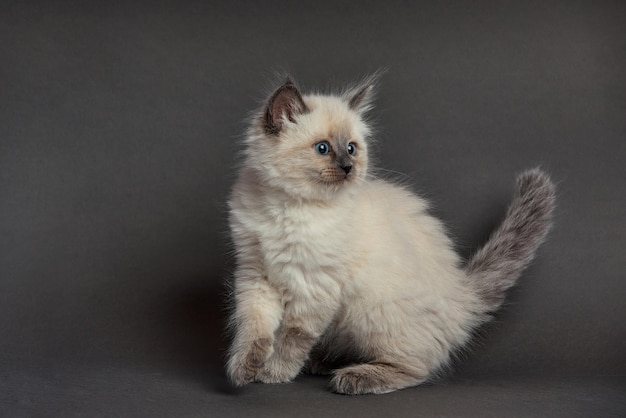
119	128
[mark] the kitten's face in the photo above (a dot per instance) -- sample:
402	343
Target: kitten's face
325	148
312	147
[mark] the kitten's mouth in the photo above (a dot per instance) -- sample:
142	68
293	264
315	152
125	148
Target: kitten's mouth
333	176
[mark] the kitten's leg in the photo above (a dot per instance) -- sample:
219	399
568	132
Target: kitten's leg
257	316
294	340
290	353
374	377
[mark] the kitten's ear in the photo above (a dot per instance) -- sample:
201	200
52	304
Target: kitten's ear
286	102
360	98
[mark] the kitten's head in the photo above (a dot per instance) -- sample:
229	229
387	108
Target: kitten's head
312	146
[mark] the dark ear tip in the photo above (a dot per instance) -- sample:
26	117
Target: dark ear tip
289	81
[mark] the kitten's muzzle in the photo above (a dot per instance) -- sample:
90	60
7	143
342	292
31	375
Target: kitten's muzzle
337	174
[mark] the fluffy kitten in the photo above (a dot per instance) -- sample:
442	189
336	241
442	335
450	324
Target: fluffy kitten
347	274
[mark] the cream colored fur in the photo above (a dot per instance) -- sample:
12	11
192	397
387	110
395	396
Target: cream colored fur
334	267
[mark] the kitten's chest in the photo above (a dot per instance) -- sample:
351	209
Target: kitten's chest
301	235
303	247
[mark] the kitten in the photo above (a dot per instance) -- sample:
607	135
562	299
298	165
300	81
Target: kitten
348	274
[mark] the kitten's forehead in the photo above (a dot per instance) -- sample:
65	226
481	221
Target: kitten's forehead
334	115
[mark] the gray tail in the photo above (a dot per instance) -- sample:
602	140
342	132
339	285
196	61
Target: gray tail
497	265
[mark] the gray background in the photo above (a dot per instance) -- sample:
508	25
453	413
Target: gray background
119	131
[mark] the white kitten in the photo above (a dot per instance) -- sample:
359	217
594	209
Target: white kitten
348	274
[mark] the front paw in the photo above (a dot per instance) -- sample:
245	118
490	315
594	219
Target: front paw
277	372
245	363
274	376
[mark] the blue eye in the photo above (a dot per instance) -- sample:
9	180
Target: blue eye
352	148
322	147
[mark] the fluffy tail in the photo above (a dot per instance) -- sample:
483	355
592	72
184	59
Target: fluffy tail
497	265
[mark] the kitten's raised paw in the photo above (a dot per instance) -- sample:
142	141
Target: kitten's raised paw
371	378
245	364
